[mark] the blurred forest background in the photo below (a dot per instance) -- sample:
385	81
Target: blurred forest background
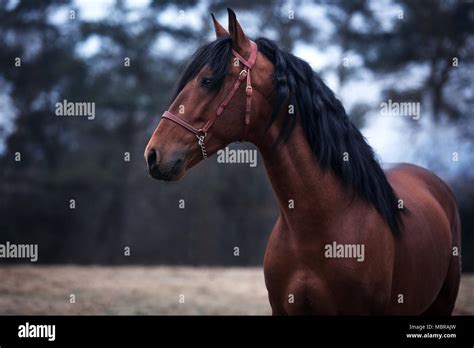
368	52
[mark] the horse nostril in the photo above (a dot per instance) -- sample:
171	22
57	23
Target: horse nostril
151	158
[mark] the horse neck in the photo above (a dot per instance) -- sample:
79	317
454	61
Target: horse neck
295	175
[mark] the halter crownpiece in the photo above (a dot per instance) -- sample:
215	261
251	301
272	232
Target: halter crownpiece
245	73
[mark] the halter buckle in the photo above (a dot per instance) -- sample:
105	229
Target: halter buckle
249	90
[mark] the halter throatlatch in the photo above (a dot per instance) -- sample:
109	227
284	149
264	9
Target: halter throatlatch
244	74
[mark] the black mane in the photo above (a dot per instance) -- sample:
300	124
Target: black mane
328	130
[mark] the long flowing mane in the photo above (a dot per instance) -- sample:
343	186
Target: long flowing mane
327	127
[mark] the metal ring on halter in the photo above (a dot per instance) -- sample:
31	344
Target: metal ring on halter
201	133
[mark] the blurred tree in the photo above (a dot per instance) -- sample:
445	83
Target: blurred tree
34	60
432	34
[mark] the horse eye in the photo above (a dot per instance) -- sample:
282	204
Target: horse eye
206	81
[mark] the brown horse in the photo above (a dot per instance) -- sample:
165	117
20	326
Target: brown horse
350	238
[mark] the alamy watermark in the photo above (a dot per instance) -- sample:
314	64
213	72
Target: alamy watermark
345	251
227	155
28	330
19	251
83	109
404	109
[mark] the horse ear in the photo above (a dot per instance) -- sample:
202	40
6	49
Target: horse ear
240	41
220	31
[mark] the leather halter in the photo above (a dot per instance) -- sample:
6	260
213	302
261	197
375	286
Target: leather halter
245	73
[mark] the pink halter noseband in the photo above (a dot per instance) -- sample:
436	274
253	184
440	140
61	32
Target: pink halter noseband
245	73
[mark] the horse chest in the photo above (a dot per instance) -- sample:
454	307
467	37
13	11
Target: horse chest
302	281
294	287
297	291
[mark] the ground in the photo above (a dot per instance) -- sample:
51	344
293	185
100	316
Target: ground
147	290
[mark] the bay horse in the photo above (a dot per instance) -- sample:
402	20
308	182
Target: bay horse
335	200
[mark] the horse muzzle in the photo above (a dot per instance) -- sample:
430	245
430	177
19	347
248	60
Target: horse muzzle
170	170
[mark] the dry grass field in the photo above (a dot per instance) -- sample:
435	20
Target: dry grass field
147	290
